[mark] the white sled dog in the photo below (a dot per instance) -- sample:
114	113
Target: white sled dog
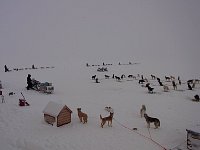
142	111
166	88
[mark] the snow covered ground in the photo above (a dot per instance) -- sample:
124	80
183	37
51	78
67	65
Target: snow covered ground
162	37
24	127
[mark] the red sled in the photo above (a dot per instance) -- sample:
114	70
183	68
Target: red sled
23	102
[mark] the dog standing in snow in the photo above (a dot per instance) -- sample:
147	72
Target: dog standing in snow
152	120
82	116
142	111
107	119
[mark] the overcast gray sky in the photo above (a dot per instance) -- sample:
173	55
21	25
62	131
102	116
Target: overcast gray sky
99	30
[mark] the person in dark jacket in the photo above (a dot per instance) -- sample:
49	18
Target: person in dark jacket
29	82
33	67
189	86
6	69
174	85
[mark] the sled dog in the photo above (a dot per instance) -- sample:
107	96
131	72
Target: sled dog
117	78
153	77
167	78
93	77
107	76
107	119
141	81
11	93
142	111
150	89
82	116
152	120
131	76
166	88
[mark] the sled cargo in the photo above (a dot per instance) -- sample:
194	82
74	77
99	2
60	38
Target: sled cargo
45	87
102	69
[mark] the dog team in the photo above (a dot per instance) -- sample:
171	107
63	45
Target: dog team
141	80
84	117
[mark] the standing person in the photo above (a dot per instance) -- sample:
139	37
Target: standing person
113	76
33	67
174	85
179	81
189	86
29	82
97	80
6	69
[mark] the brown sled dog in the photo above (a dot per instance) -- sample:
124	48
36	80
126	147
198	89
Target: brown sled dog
108	119
82	116
152	120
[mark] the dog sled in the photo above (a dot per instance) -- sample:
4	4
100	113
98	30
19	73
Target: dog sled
45	87
23	102
102	69
193	138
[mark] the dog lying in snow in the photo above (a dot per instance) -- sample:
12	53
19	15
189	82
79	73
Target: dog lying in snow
107	76
11	93
166	88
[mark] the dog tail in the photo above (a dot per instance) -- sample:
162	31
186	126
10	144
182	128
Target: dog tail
100	117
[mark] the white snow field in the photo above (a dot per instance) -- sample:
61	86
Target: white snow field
25	128
158	37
